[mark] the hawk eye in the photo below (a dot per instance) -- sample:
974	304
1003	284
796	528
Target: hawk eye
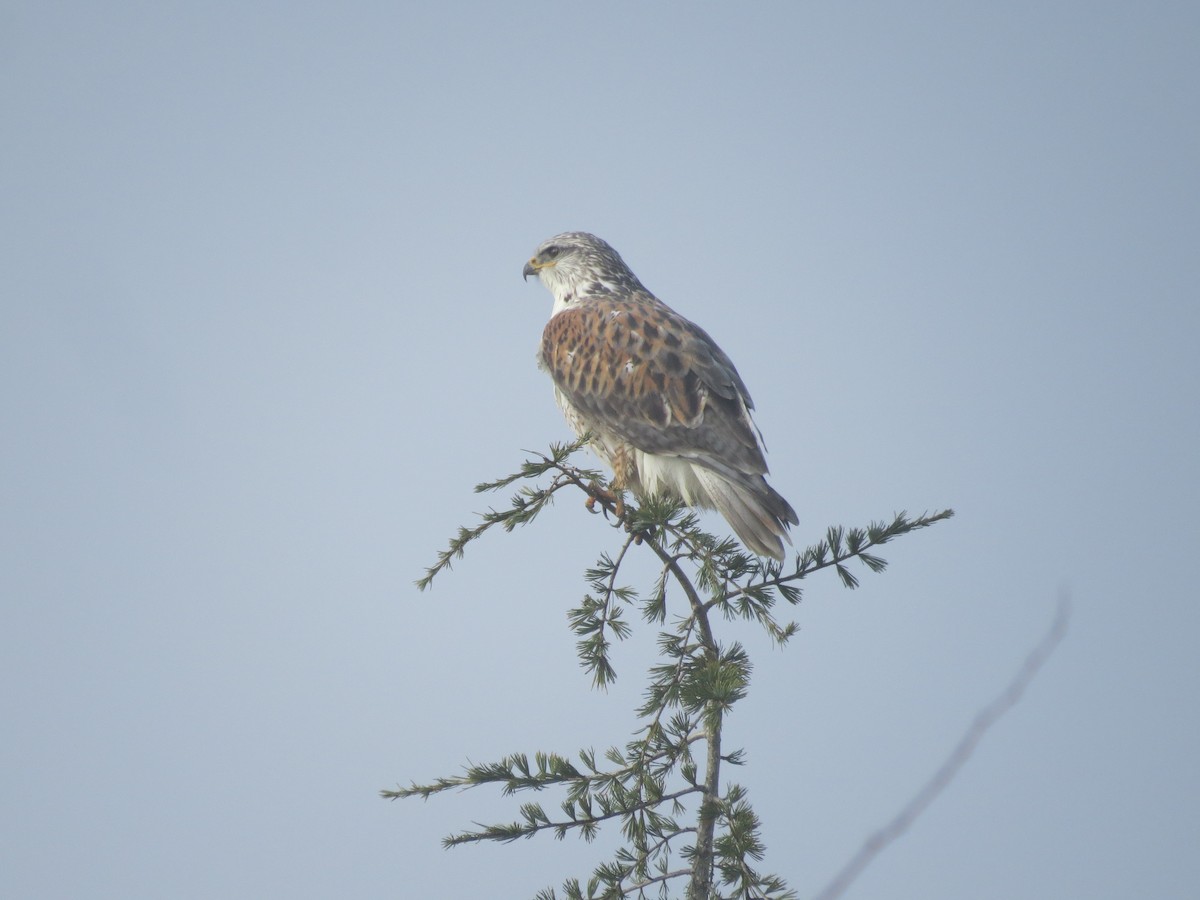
553	251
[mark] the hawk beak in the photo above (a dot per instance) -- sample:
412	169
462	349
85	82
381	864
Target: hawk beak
531	268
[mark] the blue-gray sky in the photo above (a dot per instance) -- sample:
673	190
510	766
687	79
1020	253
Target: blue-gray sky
264	328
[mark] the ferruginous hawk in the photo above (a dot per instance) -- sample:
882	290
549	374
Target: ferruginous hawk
667	410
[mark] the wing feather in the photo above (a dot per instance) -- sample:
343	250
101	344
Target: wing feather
637	368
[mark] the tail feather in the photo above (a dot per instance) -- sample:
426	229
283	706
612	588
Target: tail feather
757	512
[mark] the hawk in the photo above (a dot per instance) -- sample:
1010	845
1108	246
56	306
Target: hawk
667	410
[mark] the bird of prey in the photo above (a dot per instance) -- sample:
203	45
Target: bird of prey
667	410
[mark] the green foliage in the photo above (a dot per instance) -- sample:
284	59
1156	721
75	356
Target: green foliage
525	504
671	768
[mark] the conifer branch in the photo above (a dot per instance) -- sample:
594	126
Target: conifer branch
839	547
647	786
524	506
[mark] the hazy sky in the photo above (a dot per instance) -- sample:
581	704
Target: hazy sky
264	327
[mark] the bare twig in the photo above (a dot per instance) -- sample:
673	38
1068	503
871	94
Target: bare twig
987	717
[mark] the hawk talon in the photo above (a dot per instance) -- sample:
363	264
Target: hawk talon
607	500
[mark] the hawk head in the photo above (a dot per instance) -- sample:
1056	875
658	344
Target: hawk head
576	265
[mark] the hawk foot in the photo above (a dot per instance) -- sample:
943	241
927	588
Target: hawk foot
608	500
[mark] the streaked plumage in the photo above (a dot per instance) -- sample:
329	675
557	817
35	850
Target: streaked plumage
667	409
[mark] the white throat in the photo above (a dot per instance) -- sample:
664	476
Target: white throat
561	289
568	288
